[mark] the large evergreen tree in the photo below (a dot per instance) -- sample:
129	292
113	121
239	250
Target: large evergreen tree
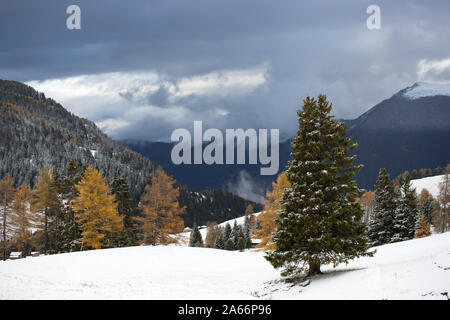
382	221
319	221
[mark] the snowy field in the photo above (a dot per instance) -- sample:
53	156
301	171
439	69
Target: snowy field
415	269
429	183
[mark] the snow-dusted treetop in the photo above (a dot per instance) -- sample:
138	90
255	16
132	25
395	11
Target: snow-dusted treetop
423	89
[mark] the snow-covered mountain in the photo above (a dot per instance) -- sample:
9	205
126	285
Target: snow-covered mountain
424	89
401	133
36	130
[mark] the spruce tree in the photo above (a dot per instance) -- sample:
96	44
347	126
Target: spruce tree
227	233
229	245
121	190
241	244
407	213
219	244
70	233
381	223
235	234
247	234
195	239
319	221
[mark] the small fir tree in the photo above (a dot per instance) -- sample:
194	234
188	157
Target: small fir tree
227	233
382	220
121	190
195	239
241	245
220	243
229	245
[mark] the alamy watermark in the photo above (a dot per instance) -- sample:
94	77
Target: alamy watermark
73	21
373	22
235	140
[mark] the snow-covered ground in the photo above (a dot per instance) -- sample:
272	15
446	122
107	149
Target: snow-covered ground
429	183
414	269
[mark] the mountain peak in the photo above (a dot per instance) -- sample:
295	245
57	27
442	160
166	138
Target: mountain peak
425	89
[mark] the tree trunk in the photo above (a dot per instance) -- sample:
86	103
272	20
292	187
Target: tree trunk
314	268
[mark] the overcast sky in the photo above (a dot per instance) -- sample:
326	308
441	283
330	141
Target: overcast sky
140	69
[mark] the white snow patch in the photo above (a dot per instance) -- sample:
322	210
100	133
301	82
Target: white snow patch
423	89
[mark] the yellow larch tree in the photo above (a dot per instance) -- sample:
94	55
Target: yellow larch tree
46	204
22	219
7	191
96	211
160	210
423	228
272	206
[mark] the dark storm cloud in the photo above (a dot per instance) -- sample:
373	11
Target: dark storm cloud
309	47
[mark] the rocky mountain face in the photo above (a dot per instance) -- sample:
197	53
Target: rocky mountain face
35	131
